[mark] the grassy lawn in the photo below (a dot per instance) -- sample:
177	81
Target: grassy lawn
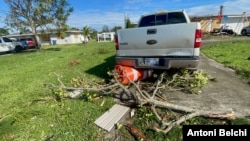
233	54
29	112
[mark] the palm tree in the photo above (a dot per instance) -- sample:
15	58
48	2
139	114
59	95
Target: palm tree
86	32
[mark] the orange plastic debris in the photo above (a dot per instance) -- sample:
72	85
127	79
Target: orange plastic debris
128	74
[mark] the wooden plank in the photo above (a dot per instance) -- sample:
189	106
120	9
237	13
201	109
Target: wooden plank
108	120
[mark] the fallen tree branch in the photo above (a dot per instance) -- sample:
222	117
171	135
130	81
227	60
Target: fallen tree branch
59	80
210	114
149	94
98	89
158	85
171	106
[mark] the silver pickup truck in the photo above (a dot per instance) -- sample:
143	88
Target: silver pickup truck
161	40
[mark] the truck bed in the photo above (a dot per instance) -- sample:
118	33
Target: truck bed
161	40
164	40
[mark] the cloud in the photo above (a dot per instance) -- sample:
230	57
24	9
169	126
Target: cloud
115	17
236	7
203	10
96	19
229	8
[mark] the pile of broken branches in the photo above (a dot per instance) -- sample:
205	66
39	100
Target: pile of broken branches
149	93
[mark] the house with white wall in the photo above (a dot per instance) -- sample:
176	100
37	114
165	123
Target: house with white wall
51	38
72	37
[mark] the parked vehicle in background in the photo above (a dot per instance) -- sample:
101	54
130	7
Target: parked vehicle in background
227	32
29	41
24	44
222	31
8	45
245	31
161	40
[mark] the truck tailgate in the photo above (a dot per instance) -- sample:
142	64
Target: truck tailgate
164	40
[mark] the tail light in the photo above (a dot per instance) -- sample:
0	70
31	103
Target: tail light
198	38
116	42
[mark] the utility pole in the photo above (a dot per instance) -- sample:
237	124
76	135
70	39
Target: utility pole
220	13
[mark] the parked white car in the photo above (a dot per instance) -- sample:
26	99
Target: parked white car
8	45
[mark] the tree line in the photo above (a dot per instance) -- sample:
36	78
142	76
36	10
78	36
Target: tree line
32	16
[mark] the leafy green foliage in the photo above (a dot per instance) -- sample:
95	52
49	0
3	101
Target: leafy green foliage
4	31
78	82
187	81
45	14
59	94
146	120
115	28
88	96
128	23
144	113
86	32
199	81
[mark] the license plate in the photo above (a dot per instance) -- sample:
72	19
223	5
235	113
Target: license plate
151	61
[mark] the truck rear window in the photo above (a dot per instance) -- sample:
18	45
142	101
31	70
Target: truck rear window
163	19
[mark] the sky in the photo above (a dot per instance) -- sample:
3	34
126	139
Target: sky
97	13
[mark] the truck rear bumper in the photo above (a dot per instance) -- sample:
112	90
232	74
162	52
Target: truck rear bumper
159	63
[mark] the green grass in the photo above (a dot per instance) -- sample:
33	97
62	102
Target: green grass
233	54
28	112
22	78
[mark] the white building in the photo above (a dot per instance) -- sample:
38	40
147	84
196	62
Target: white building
50	38
235	22
104	37
71	37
